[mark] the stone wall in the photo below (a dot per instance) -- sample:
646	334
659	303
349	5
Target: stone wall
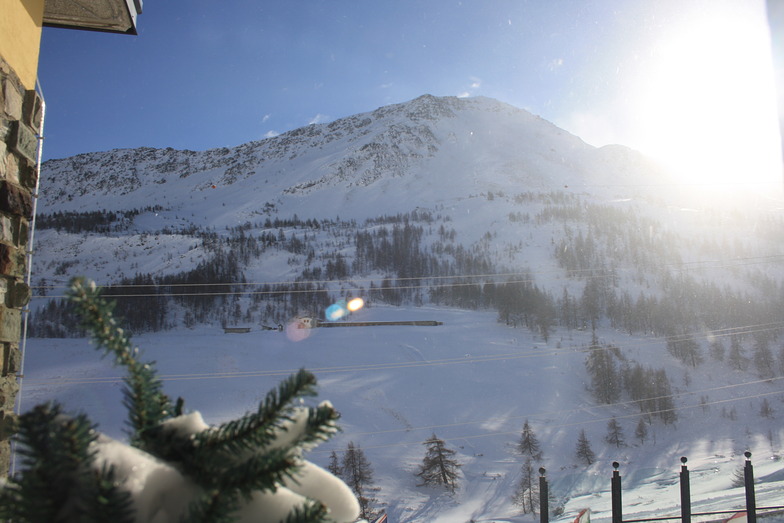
20	118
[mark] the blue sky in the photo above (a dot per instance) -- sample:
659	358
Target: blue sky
210	74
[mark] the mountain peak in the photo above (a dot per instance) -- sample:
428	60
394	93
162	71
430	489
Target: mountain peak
430	107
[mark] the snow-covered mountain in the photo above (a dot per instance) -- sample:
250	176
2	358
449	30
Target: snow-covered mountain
575	285
423	152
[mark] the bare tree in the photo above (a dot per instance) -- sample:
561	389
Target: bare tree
334	464
358	474
526	495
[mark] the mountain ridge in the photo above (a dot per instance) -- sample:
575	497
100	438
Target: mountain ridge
407	140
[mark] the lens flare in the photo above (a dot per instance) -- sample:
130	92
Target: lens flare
336	311
296	331
299	329
341	309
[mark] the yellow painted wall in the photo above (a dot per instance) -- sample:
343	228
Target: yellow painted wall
20	37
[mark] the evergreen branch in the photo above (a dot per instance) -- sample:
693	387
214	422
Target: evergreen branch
263	473
321	426
221	472
213	507
58	482
208	452
102	500
167	445
310	512
262	427
147	405
52	453
210	458
248	455
11	501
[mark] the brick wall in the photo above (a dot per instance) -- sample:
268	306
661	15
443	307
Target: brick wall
20	117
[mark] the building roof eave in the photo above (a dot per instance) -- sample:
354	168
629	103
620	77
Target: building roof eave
112	16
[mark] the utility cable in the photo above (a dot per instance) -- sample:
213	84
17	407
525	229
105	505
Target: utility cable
579	274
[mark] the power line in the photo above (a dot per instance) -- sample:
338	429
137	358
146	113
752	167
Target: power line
359	282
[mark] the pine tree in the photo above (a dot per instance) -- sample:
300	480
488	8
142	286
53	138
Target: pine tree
685	348
763	359
358	474
665	406
526	495
334	464
738	478
591	301
72	473
584	452
651	389
529	444
641	432
615	434
717	350
605	377
705	404
780	362
766	411
736	357
438	467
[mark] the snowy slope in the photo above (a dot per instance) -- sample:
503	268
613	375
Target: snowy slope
472	382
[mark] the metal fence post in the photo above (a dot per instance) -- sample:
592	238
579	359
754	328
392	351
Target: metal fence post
544	497
617	512
685	493
748	481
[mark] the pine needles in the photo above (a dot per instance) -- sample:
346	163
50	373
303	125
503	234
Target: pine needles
59	482
143	395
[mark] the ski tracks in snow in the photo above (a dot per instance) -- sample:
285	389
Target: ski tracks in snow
412	352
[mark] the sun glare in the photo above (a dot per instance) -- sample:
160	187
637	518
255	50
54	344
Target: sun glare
707	108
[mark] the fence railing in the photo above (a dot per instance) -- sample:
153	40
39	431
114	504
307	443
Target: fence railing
752	510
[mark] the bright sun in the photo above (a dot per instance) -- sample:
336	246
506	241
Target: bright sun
707	103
